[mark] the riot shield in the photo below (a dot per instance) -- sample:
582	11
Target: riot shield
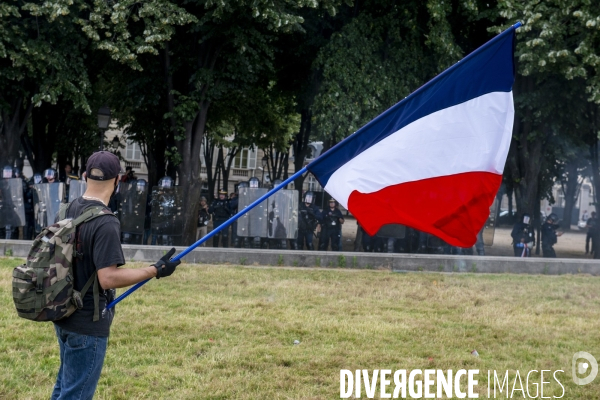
434	242
490	225
283	215
167	217
132	208
254	222
76	189
395	231
47	200
12	209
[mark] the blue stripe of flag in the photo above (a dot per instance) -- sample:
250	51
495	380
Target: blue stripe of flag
488	69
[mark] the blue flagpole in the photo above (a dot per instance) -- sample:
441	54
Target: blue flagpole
213	233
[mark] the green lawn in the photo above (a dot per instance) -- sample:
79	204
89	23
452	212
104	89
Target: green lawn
216	332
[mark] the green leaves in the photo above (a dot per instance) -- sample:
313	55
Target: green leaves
558	36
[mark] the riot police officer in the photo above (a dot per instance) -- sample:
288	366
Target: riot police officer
221	212
309	219
50	176
203	220
36	179
549	235
29	227
132	211
233	206
8	215
523	237
166	218
331	227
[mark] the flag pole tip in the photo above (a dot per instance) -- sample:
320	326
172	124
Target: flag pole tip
518	24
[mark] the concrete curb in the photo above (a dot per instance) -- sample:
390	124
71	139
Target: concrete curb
393	262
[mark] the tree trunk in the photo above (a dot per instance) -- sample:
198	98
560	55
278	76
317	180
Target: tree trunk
45	125
13	123
189	171
209	151
300	144
525	154
571	192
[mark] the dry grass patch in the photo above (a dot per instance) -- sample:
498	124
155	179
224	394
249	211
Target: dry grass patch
227	332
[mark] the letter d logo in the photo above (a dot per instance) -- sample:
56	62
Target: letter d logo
582	367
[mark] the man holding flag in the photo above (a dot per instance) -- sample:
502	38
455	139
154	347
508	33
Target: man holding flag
432	162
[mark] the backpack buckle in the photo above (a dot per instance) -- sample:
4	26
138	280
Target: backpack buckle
39	288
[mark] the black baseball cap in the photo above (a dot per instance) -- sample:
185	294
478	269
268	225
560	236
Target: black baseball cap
106	162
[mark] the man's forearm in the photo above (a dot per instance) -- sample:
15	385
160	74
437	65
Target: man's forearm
113	277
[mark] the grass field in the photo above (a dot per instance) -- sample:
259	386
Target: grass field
215	332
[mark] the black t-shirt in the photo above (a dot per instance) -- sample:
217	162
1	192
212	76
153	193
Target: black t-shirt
101	247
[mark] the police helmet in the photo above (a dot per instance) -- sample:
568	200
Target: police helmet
7	172
254	182
552	217
165	182
332	200
50	173
37	178
140	185
17	172
242	185
309	197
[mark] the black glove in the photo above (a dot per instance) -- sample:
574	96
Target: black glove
164	266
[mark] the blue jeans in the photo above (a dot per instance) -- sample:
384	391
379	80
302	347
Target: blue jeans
81	359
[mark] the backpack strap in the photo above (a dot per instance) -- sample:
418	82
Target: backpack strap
93	279
62	212
89	214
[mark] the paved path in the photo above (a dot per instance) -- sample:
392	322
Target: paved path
570	245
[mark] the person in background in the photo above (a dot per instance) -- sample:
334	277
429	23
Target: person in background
129	175
332	220
308	220
523	236
549	235
221	212
592	229
203	220
50	176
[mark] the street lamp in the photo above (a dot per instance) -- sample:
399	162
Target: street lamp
103	122
264	161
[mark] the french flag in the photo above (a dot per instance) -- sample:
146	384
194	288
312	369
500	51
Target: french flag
433	161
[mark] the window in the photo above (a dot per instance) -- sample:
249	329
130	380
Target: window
245	159
313	184
133	151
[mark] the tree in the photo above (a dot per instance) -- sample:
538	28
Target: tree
41	60
45	53
228	49
558	38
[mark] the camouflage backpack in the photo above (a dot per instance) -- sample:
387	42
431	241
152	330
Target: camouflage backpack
43	286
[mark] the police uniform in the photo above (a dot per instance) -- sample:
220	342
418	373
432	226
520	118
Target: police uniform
29	230
221	212
549	239
233	206
331	229
203	220
523	238
309	218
